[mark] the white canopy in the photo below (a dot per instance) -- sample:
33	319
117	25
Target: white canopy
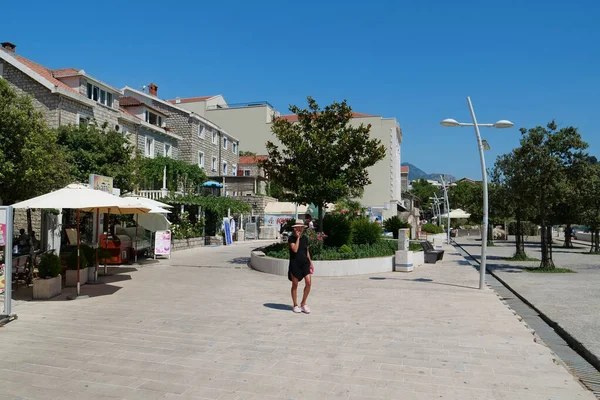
457	214
153	222
281	207
81	197
147	202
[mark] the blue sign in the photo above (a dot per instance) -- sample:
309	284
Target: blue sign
227	228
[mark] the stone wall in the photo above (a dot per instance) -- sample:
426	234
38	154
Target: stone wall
43	100
56	109
184	244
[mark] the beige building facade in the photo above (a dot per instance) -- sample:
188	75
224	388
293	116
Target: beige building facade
251	123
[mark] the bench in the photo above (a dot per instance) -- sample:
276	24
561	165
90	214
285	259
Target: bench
431	255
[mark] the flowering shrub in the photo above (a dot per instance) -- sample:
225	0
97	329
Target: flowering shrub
184	229
315	241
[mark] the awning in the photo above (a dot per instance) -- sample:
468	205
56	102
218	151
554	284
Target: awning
457	214
281	207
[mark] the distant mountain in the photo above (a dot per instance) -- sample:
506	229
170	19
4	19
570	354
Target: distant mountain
415	173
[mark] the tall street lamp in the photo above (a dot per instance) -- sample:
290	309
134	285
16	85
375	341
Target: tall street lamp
449	122
447	205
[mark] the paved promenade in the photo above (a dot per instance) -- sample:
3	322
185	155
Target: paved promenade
204	326
571	300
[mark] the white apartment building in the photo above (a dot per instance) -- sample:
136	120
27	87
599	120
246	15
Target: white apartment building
251	123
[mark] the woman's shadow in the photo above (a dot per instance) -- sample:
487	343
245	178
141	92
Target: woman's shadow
277	306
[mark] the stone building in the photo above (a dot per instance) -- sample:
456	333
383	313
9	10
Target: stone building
202	142
250	179
252	122
64	96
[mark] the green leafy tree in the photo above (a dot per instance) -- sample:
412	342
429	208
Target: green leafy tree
95	150
322	158
246	153
545	154
181	176
31	163
423	190
461	195
590	201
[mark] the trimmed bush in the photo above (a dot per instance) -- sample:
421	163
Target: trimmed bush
345	249
365	232
338	230
431	228
72	260
49	266
415	246
383	248
394	223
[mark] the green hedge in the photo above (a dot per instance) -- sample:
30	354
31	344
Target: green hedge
338	229
365	231
393	224
431	228
383	248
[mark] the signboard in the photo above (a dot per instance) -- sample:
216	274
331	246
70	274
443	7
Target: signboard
162	244
103	183
227	228
277	219
2	227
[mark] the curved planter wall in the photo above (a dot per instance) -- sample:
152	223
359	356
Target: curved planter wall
362	266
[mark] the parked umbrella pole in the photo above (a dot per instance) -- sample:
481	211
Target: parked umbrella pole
107	233
136	235
78	256
97	244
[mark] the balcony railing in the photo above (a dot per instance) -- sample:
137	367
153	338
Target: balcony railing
156	194
241	105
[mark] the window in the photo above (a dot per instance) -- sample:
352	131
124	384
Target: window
233	169
224	167
168	150
246	172
215	137
235	148
224	142
149	147
214	164
83	120
201	159
201	131
99	95
152	118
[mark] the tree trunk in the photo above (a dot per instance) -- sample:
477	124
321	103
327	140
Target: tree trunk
519	243
568	242
595	247
320	221
490	235
550	240
547	262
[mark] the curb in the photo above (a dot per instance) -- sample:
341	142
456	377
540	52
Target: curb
573	343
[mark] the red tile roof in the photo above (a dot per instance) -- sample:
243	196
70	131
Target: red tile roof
130	101
294	117
46	73
190	99
251	159
57	73
404	168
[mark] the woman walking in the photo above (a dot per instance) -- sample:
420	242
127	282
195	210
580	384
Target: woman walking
300	267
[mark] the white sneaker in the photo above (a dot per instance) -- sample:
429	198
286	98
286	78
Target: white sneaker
297	309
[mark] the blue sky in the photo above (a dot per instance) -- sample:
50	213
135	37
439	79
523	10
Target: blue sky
526	61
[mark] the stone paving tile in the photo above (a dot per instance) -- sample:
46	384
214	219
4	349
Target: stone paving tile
174	331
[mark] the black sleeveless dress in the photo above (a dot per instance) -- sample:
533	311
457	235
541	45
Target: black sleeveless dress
299	262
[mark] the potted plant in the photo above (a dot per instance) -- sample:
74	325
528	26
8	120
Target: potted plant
71	279
49	283
90	256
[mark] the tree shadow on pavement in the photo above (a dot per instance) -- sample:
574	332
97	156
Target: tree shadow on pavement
240	260
278	306
424	280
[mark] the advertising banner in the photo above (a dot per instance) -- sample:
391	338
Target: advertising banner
2	227
162	244
277	219
227	227
103	183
